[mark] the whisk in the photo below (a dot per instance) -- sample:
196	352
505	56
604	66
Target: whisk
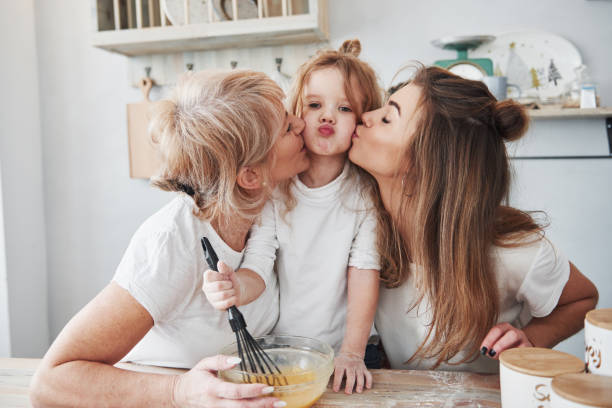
250	352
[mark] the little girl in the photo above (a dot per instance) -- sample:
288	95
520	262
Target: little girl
321	227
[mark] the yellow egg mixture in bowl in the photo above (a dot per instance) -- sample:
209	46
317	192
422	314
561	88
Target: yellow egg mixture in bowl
306	366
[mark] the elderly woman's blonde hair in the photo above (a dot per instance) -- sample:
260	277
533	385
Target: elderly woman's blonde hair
214	124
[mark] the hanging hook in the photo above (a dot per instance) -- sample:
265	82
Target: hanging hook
190	66
279	62
233	64
146	83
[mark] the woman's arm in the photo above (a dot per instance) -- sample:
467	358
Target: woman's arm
362	292
578	297
78	369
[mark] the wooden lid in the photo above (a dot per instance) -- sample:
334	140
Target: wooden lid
600	318
541	362
587	389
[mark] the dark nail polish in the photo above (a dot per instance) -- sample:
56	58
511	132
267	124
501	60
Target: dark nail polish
484	350
492	352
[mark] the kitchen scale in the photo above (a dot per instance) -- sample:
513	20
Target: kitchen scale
469	68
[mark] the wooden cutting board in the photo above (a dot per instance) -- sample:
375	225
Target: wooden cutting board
144	160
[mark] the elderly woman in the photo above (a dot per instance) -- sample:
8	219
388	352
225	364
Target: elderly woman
466	276
226	140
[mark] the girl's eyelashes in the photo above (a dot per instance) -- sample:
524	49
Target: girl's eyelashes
385	120
345	109
314	105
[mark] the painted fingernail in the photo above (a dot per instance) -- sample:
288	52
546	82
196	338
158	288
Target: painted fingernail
484	350
267	390
234	360
279	404
491	352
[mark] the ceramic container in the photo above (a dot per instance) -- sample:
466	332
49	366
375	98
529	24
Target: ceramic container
581	390
525	375
598	341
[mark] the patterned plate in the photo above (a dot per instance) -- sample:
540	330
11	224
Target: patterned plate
542	64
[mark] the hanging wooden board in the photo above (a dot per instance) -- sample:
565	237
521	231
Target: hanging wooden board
144	161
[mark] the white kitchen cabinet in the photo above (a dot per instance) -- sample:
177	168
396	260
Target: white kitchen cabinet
141	27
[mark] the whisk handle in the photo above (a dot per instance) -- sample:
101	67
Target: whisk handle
210	254
236	320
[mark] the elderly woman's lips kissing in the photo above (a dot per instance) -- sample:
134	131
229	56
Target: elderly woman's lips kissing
326	130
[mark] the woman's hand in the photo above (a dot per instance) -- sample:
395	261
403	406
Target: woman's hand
502	337
222	288
200	387
356	372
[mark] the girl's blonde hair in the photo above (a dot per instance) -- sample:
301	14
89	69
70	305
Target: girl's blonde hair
357	74
456	195
214	124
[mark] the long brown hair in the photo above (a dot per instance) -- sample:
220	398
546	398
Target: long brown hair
455	192
358	75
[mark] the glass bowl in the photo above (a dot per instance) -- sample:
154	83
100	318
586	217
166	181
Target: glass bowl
306	364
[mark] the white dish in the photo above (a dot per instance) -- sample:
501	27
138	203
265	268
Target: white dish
540	63
175	11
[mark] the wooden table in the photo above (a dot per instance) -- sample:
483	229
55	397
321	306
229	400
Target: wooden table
392	388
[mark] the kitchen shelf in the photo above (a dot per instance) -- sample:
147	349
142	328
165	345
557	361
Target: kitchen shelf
570	113
162	37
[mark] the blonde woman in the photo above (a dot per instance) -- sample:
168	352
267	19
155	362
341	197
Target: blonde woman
226	140
466	276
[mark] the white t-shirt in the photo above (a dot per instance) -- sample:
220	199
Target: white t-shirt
530	279
331	228
163	269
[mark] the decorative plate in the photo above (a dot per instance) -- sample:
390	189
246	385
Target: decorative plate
175	11
542	64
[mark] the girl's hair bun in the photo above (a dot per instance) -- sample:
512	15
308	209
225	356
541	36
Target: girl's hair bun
511	120
352	47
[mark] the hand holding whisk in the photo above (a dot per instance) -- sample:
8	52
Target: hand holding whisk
254	358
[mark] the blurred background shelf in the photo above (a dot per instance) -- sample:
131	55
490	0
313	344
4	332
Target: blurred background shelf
570	113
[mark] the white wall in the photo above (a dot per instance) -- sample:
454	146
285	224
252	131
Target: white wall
5	323
22	184
92	207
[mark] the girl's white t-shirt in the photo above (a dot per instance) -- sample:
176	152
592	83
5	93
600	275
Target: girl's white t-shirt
163	269
530	279
331	228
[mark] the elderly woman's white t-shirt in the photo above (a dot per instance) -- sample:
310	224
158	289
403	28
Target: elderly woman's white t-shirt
163	269
530	279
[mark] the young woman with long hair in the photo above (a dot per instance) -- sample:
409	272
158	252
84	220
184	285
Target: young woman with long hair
465	274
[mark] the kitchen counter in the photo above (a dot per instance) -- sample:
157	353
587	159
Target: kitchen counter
392	388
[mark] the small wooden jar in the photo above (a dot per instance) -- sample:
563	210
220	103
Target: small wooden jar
525	375
581	390
598	341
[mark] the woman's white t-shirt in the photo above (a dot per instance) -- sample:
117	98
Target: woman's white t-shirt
163	269
331	228
530	279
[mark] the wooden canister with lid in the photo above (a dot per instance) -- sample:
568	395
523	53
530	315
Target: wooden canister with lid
525	374
580	391
598	341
